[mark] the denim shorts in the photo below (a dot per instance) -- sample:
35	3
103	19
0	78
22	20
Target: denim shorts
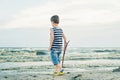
55	56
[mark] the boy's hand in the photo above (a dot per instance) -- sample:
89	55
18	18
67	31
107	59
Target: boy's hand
65	43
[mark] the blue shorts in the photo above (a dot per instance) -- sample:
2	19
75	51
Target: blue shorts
55	56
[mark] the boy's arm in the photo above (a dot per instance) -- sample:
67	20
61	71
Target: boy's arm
51	38
64	37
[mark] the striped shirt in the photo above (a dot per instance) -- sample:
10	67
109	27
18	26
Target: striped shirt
57	42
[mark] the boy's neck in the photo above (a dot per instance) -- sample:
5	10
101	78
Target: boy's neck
55	25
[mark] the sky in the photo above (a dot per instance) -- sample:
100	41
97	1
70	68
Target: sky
86	23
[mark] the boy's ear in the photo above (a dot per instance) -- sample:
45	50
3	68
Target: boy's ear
52	22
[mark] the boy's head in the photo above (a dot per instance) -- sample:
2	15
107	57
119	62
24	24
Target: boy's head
55	19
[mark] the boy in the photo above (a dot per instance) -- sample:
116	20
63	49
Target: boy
56	35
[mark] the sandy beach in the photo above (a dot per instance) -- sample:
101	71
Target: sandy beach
74	70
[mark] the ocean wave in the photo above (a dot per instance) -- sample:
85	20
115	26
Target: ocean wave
106	50
42	52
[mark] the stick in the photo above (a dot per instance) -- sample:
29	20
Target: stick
64	52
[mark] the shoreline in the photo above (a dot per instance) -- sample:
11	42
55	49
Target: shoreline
70	62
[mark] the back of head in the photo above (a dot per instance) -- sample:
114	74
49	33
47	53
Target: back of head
55	19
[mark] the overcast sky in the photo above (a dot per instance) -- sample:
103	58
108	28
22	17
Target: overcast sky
86	23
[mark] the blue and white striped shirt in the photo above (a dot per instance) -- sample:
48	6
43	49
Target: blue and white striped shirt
57	42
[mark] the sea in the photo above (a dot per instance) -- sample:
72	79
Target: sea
31	54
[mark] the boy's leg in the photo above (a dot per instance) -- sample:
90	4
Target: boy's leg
59	57
55	59
58	67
